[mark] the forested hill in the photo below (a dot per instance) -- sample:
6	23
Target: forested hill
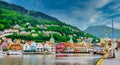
22	10
43	25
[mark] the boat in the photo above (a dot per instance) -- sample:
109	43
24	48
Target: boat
3	53
14	53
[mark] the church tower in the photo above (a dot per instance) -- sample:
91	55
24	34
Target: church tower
52	39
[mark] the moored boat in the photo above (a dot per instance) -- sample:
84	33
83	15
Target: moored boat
14	53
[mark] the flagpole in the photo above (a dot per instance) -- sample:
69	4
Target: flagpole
113	39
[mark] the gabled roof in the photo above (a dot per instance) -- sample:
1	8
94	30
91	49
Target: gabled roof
47	44
33	44
40	45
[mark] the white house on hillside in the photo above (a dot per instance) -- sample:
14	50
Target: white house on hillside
17	26
11	30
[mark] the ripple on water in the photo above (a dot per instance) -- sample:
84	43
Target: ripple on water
48	60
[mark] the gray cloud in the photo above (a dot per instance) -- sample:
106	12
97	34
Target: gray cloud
79	13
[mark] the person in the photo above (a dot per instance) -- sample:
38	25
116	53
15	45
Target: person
116	49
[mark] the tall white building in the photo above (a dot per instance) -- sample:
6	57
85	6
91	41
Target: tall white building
52	39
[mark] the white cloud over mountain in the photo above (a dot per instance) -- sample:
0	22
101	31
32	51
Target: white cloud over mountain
79	13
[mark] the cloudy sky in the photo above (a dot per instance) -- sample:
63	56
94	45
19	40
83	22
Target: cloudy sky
79	13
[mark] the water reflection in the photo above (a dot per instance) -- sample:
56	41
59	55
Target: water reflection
59	59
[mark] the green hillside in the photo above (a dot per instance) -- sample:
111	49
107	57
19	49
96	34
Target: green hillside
36	23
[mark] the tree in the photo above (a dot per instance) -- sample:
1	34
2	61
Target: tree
1	27
0	12
6	49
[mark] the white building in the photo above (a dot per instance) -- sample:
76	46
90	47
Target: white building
11	30
17	26
47	47
34	34
52	39
98	48
71	40
26	46
9	41
82	46
24	32
40	47
30	27
33	46
32	30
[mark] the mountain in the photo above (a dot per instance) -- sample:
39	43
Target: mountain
22	10
37	25
101	30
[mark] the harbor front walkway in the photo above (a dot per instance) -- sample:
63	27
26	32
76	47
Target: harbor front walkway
112	61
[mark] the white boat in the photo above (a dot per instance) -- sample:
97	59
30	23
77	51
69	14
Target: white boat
14	53
2	53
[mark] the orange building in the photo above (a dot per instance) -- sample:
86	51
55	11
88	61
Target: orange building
80	46
16	45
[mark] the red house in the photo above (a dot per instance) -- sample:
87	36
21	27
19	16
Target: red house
60	47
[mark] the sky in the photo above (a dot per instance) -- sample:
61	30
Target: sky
79	13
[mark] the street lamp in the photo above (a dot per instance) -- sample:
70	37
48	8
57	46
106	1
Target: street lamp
113	39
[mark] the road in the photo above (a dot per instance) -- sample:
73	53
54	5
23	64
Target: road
113	61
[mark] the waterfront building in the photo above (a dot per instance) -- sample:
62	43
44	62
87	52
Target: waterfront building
47	47
52	46
81	46
33	46
52	43
16	45
30	46
89	47
40	47
99	48
69	47
96	47
73	47
26	46
3	45
60	47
